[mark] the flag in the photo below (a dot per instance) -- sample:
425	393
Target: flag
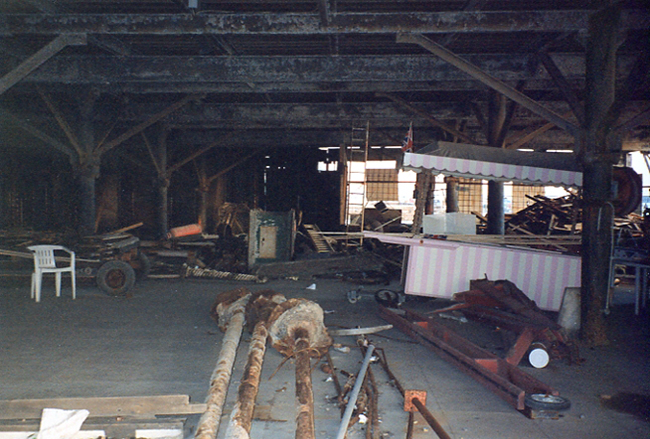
407	143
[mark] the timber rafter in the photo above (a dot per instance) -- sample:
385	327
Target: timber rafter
283	24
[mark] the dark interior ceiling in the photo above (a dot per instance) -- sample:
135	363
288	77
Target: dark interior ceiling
301	73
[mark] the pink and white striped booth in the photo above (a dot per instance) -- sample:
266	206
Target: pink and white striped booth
481	162
439	268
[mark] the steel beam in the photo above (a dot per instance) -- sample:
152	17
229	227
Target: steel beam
490	81
37	59
504	379
301	23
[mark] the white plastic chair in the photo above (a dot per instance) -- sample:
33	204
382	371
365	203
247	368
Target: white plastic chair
45	262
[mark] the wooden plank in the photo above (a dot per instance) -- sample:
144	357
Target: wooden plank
105	406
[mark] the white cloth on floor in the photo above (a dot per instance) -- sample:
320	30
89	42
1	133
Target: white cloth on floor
61	424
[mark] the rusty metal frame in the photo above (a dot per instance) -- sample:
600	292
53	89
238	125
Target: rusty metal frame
509	382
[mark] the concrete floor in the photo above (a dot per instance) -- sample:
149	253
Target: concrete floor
161	340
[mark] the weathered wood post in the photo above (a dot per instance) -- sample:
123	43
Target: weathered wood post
257	313
229	311
496	122
598	149
297	329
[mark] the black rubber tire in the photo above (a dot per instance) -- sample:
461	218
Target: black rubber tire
115	278
387	298
144	266
540	401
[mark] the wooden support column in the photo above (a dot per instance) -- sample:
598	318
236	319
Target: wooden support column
423	187
87	166
162	183
597	149
496	122
452	194
87	174
204	188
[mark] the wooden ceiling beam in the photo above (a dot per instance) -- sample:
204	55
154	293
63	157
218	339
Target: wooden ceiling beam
302	23
60	118
19	122
37	59
144	125
567	90
326	71
430	119
490	81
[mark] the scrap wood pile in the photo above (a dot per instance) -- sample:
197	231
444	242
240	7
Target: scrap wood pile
547	216
197	256
556	224
562	216
504	305
94	248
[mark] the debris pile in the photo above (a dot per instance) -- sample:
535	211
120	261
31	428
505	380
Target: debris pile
503	304
547	216
563	216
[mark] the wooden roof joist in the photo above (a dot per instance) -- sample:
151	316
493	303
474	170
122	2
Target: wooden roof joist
300	69
291	23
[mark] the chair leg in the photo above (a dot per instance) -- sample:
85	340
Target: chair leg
38	281
74	286
58	284
32	290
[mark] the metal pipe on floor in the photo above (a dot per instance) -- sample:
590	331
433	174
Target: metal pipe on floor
343	428
337	384
231	315
433	423
373	397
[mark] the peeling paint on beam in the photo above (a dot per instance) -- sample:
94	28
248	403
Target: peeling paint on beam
353	23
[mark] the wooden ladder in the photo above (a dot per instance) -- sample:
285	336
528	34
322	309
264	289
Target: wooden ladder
315	234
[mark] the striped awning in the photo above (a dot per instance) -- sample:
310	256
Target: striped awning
480	162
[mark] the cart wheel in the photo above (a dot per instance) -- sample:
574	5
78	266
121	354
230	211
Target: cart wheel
540	401
144	265
387	298
115	278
